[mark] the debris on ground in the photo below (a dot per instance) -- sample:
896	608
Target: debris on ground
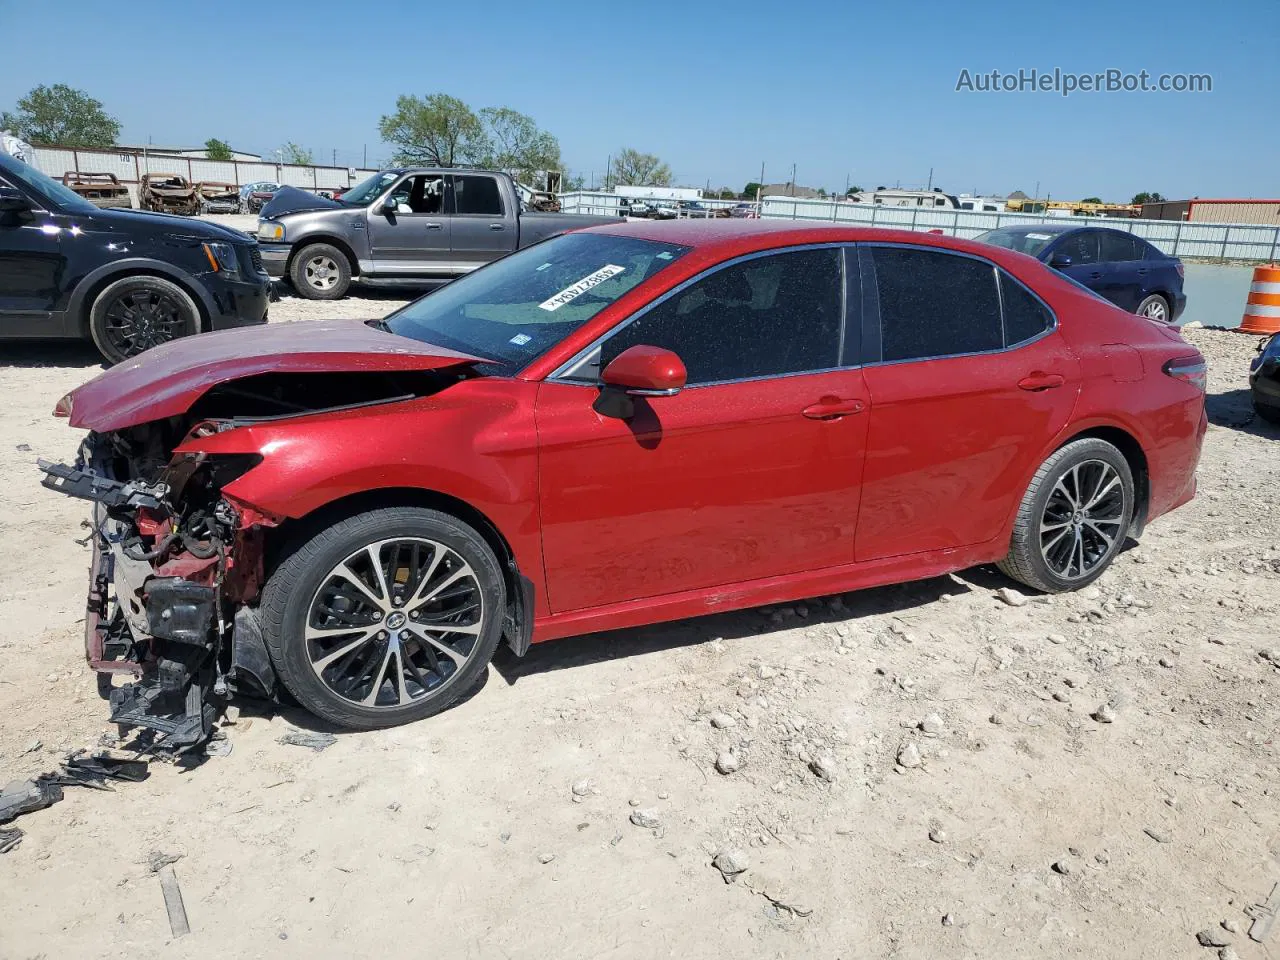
173	905
731	863
1209	937
777	894
646	818
27	796
316	740
1264	916
10	837
726	762
156	860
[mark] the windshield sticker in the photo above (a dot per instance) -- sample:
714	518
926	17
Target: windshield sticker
1039	236
543	267
520	339
582	286
664	256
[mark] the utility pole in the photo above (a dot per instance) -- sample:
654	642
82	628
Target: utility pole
608	171
847	178
930	186
760	187
791	187
366	155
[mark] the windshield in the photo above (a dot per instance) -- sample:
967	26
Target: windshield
367	190
1029	242
517	308
50	190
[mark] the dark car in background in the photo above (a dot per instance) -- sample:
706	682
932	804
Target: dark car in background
1264	379
127	279
1118	266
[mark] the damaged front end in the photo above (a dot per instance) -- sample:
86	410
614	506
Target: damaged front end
174	566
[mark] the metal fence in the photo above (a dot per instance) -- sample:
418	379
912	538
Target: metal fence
610	205
129	166
1200	241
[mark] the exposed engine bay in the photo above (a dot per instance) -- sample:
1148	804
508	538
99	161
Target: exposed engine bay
177	563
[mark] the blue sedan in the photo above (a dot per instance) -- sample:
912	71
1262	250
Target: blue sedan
1116	265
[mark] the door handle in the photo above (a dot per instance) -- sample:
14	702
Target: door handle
1097	274
434	225
832	408
497	226
1041	381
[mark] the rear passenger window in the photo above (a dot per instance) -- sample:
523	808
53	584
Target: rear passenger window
1024	316
1081	247
477	195
761	317
935	304
1118	247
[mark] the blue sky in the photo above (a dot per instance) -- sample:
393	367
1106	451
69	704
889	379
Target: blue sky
841	90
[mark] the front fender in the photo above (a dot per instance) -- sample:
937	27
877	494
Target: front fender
78	306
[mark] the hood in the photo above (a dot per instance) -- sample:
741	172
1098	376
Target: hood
166	380
175	224
293	200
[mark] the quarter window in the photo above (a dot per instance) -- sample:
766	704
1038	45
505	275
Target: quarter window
935	304
765	316
1025	317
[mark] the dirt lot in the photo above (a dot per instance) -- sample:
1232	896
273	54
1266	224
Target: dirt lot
969	803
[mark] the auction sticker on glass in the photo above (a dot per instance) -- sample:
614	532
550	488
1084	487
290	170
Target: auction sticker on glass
573	291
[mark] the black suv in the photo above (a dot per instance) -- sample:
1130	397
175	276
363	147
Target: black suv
128	279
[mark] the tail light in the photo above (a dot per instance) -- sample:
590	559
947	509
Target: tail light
63	407
1190	370
1182	272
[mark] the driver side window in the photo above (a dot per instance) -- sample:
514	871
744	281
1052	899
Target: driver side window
421	193
764	316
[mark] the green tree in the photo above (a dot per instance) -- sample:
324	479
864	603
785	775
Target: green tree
1091	200
215	149
1144	197
512	142
852	190
292	153
636	169
750	191
572	182
63	116
437	130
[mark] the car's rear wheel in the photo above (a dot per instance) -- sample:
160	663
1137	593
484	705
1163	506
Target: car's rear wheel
320	272
384	618
1155	307
1073	519
136	313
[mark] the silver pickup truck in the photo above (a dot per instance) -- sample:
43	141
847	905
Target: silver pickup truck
406	224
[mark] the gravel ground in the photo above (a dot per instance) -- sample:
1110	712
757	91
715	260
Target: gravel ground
916	771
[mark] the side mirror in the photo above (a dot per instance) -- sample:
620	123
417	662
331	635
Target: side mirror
12	201
390	204
645	371
1059	260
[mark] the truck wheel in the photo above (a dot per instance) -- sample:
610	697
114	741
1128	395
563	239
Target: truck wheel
136	313
320	272
384	618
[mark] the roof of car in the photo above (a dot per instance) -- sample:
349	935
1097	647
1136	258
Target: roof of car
1054	227
743	236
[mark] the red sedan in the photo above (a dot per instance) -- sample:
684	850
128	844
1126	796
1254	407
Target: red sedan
614	427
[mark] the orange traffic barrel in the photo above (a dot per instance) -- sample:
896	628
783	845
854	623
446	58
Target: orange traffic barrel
1262	311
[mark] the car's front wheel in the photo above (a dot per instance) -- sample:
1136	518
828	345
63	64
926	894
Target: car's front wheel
1155	307
320	271
1073	519
136	313
384	618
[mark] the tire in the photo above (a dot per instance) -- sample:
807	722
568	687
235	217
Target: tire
320	272
306	595
1156	307
1069	476
161	309
1267	412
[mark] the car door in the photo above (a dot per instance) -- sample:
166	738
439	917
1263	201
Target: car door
1081	246
1124	272
411	238
483	229
968	377
750	472
32	267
